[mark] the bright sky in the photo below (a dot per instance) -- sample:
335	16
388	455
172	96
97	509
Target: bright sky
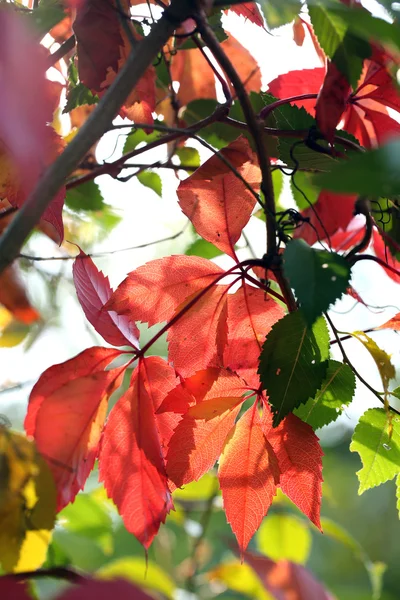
146	217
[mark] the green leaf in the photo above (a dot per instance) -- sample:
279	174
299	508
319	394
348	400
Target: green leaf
77	94
139	136
381	358
303	181
153	577
46	15
189	157
218	135
286	116
318	277
277	180
374	173
204	249
386	212
196	491
279	13
284	537
398	494
151	180
345	49
396	393
336	392
86	197
379	453
293	362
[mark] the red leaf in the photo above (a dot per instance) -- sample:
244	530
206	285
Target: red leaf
12	590
199	438
295	83
195	76
384	126
393	323
198	338
248	475
103	590
330	213
251	314
98	35
352	292
245	65
300	462
216	201
88	362
68	426
93	290
383	253
249	11
332	101
131	460
25	109
13	296
286	580
153	292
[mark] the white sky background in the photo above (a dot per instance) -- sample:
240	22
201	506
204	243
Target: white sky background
146	217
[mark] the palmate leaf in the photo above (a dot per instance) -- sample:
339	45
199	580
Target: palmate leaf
336	391
318	277
379	452
293	362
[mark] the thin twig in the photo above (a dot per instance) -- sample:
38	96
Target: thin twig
65	47
362	207
380	262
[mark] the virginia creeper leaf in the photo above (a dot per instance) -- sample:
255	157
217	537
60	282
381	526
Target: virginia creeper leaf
199	438
194	74
131	463
204	249
93	290
293	362
249	11
299	458
85	197
245	64
251	314
372	173
248	475
76	411
198	337
379	453
151	180
241	579
336	392
318	277
285	537
11	588
88	362
332	100
393	323
104	590
278	13
152	292
216	201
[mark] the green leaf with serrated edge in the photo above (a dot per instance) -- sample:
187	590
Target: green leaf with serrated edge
279	13
77	93
305	194
85	197
218	135
286	116
345	49
381	358
386	212
139	136
204	249
379	453
336	392
189	157
374	173
283	536
398	494
293	362
45	16
395	393
318	277
151	180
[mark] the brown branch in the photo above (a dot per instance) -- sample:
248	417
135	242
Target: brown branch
97	124
380	262
362	207
55	572
66	47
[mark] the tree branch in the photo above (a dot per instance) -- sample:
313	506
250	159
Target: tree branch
99	121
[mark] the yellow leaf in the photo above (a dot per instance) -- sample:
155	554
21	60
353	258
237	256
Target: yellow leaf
381	358
242	579
27	503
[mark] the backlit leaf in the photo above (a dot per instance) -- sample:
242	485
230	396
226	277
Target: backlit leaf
251	314
153	578
92	589
293	362
240	578
131	462
93	290
336	392
318	277
300	463
381	358
283	536
379	453
248	475
278	13
86	197
152	292
216	201
151	180
204	249
249	11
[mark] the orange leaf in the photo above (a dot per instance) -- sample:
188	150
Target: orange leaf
248	475
153	292
131	463
249	11
245	65
332	101
393	323
251	314
195	76
300	462
67	429
199	438
216	201
13	296
197	339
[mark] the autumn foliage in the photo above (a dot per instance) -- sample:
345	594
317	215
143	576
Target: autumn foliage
249	376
